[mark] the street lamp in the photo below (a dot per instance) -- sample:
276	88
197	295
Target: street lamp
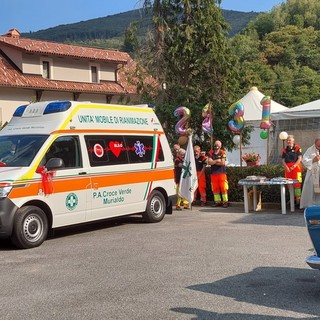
283	136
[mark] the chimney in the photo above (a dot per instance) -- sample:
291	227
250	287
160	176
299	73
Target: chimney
13	33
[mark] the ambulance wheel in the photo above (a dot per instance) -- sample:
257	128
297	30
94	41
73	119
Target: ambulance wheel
30	227
156	207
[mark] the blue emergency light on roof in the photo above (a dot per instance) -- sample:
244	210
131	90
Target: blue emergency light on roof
57	106
19	111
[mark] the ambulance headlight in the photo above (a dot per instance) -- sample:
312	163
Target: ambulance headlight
4	191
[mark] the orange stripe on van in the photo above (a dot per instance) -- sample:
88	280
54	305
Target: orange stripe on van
100	181
132	177
60	185
30	189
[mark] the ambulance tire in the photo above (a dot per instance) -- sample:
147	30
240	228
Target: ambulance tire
30	227
156	207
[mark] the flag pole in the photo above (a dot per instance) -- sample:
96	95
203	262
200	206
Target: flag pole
188	180
211	126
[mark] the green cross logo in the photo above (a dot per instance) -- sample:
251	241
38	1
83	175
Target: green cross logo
187	171
71	201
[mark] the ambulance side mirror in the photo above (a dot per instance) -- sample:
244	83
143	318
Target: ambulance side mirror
54	163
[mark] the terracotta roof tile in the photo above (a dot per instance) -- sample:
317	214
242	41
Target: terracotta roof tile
61	49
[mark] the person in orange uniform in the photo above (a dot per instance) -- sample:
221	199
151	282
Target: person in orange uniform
219	182
201	163
291	160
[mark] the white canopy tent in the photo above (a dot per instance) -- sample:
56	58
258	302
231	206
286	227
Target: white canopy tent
303	122
307	110
253	116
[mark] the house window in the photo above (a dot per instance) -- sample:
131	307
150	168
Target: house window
46	69
94	74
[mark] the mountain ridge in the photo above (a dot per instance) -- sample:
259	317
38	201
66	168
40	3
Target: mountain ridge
114	26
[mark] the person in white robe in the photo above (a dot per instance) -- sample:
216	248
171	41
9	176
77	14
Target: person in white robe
311	189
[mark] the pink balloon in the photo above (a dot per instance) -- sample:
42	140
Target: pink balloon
182	125
207	123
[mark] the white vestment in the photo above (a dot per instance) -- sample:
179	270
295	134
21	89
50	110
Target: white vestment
310	195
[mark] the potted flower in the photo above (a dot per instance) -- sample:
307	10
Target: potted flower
251	158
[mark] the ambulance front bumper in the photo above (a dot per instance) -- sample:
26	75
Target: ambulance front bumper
7	212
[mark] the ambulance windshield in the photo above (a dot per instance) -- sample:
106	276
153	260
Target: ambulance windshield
19	151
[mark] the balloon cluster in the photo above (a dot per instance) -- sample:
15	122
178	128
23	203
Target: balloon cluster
237	111
207	121
182	125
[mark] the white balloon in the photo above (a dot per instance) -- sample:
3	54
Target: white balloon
283	135
236	139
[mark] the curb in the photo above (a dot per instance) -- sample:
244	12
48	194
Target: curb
264	205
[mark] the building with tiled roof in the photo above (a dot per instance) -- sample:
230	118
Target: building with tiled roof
36	70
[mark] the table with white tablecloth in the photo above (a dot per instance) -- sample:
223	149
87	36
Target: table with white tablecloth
280	182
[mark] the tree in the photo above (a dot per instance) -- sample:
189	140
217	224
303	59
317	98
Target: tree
279	52
299	13
130	38
190	53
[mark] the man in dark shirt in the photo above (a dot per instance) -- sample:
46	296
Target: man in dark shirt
219	182
201	163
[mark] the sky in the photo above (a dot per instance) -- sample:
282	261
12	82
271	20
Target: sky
34	15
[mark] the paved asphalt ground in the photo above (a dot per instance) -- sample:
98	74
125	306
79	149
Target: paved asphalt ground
205	263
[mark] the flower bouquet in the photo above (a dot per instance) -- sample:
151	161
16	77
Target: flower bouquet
251	158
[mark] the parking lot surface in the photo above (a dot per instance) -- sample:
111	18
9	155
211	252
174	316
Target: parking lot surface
204	263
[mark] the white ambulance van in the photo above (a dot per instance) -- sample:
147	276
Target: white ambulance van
64	163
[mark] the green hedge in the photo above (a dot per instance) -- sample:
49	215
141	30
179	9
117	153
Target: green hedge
269	193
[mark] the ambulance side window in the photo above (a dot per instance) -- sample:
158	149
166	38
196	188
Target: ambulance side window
106	150
112	150
68	149
140	149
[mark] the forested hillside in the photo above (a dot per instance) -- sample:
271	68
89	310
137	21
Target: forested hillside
279	52
113	27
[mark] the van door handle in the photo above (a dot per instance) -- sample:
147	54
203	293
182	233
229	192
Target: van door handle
83	172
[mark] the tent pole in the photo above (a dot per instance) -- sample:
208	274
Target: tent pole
240	149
